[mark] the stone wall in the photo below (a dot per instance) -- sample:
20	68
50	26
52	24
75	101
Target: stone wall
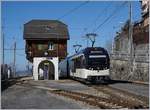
120	70
120	66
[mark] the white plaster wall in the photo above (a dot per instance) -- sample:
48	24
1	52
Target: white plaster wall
38	60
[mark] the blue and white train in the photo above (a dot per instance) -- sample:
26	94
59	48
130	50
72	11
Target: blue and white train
91	64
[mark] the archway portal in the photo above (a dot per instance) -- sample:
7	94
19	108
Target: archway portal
46	70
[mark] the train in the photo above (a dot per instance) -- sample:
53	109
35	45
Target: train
89	64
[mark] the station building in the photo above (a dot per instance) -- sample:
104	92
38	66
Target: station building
46	46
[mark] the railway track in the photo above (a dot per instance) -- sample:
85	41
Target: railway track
124	98
89	99
114	101
116	98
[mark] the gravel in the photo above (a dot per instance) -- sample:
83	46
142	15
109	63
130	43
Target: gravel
137	89
19	97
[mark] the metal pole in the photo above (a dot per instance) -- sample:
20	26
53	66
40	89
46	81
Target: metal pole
113	41
3	43
130	37
3	48
14	58
112	49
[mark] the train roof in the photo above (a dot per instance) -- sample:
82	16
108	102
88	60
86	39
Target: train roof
85	50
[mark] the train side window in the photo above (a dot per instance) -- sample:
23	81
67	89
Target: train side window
73	65
78	62
83	61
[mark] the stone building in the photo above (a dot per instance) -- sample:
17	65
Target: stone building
145	12
137	68
46	45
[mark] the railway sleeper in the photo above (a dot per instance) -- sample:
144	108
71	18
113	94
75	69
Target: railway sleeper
116	101
89	99
123	101
132	96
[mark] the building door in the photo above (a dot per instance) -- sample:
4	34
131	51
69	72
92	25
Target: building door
46	70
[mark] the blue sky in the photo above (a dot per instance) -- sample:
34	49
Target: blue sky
82	21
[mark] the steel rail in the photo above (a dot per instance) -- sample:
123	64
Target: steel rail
124	98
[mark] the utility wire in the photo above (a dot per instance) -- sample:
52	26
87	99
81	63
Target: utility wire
109	17
16	49
21	55
100	14
12	27
73	10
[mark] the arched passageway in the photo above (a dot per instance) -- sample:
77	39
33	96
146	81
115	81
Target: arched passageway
46	70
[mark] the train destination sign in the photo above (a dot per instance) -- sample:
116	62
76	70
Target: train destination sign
96	51
97	56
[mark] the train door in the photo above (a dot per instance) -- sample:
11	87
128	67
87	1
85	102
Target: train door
71	67
68	75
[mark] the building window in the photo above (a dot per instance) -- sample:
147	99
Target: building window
42	46
51	46
48	28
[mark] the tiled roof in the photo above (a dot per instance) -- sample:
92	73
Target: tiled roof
45	29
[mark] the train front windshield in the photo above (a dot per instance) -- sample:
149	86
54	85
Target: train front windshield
98	61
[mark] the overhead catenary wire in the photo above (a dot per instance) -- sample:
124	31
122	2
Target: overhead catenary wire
109	17
12	27
100	14
95	20
73	10
16	49
23	55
